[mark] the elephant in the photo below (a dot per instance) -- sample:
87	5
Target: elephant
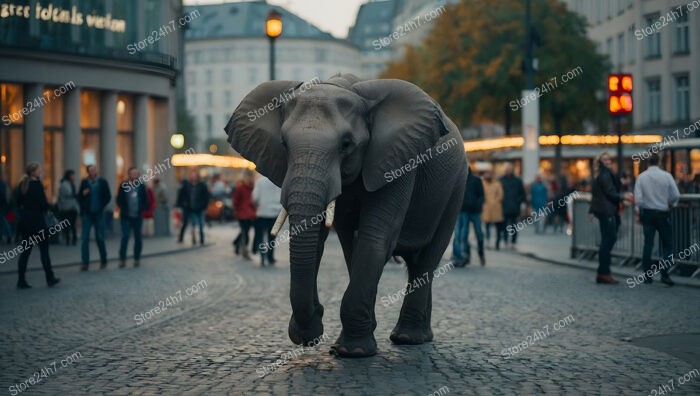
368	152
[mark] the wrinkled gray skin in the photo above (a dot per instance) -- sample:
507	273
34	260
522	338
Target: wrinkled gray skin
340	140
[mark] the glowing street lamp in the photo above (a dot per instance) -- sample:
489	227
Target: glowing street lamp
273	29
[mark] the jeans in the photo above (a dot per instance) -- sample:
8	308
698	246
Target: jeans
5	229
43	251
653	221
608	237
96	220
128	224
263	229
510	220
460	245
71	216
243	237
197	217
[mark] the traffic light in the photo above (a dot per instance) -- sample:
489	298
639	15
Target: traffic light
620	94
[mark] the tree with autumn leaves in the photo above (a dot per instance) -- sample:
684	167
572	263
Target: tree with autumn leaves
471	63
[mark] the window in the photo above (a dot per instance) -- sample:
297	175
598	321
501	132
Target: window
654	101
209	97
192	77
227	98
253	75
608	47
621	49
227	75
207	76
208	125
682	98
680	35
631	45
193	99
652	48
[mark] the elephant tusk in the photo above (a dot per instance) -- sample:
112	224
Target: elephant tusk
330	214
279	222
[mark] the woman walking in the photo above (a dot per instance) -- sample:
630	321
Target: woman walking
244	208
32	204
605	203
68	205
493	207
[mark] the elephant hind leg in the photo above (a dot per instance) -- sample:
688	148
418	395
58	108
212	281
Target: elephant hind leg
413	326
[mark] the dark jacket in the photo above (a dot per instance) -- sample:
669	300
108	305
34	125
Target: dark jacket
32	205
186	194
513	195
122	199
473	201
606	197
84	200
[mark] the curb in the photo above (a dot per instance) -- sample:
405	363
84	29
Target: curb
96	261
678	280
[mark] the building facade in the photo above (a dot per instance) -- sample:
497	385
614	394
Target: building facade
91	82
227	55
658	41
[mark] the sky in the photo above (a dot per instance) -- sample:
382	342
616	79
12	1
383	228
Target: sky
333	16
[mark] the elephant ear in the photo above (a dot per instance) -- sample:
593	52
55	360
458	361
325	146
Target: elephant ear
254	129
404	122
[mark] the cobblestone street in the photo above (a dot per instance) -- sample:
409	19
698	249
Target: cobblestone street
217	340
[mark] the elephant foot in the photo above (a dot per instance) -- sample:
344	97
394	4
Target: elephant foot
402	335
308	334
364	346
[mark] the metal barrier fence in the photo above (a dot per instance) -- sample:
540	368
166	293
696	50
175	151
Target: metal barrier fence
685	219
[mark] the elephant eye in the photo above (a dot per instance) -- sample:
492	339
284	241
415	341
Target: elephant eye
346	144
284	143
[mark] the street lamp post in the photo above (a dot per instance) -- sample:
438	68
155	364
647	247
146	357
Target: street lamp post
273	29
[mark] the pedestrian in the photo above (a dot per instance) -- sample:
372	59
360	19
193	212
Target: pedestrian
5	228
193	198
245	212
149	212
514	196
472	205
161	214
654	195
68	206
606	198
493	206
538	198
93	198
132	200
266	197
32	204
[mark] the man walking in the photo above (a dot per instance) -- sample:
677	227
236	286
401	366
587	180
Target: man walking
655	193
193	198
132	202
513	197
472	205
161	217
266	197
94	196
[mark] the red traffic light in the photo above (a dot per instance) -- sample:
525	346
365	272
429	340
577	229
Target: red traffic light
620	94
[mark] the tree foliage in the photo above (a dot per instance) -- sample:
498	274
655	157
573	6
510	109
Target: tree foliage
471	63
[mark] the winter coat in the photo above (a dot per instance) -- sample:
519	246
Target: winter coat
514	195
243	201
605	195
473	200
493	198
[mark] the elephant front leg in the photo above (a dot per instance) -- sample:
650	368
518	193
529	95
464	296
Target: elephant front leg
357	308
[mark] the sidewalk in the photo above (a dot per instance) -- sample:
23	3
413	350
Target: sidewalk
66	256
556	249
